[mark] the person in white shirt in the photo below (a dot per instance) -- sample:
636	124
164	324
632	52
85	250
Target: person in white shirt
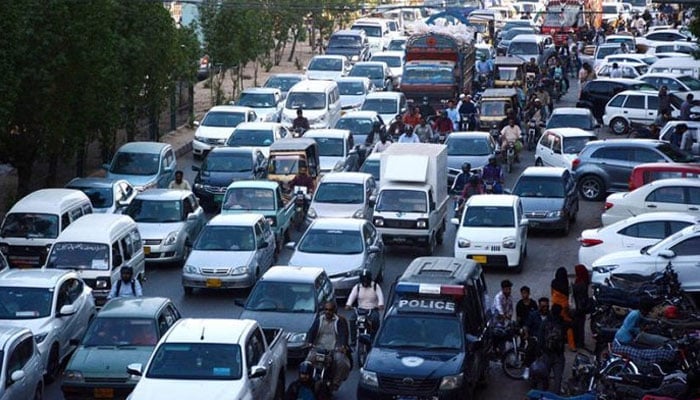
382	144
453	114
179	182
616	71
369	298
409	137
127	286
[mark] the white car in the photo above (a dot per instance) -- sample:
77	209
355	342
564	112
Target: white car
573	117
377	30
678	194
662	36
334	145
670	127
647	59
266	102
492	231
344	195
387	104
681	249
216	127
395	60
259	135
630	69
633	107
674	82
630	234
20	365
328	67
353	91
56	305
559	147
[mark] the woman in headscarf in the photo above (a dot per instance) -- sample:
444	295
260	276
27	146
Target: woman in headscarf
560	295
582	302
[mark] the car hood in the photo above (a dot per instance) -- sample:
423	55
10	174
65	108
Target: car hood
324	75
219	259
214	132
159	231
263	112
344	51
37	325
333	210
177	389
535	204
414	363
388	118
351	101
328	163
627	257
134	180
485	234
289	322
334	264
455	162
108	360
527	57
222	179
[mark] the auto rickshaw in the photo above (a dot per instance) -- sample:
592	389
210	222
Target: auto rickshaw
494	106
508	72
288	155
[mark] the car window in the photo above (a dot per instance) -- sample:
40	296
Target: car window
68	292
187	206
612	153
647	156
693	195
65	221
127	246
598	88
135	238
688	247
163	325
259	238
21	354
635	101
617	101
255	347
648	230
653	102
667	194
676	226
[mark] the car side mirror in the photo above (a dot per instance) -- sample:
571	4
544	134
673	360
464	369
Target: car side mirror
68	309
195	123
195	168
454	221
17	376
667	254
374	250
134	369
263	245
524	222
291	245
257	371
105	166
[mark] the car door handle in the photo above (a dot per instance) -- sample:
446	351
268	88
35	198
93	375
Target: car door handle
651	205
692	208
624	112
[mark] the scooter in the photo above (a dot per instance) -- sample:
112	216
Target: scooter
557	88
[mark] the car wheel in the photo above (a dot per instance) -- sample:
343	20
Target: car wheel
39	392
441	234
539	162
591	188
521	262
618	126
188	290
186	252
53	366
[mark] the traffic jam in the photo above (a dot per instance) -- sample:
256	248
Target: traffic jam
355	210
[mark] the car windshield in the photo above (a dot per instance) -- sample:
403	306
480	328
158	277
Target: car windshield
409	332
135	163
306	101
584	122
330	147
110	332
249	199
79	255
155	211
510	34
493	108
391	61
225	238
494	217
611	9
219	119
282	297
25	302
331	241
675	154
381	106
99	197
371	167
283	83
507	73
574	144
468	147
340	193
369	71
257	100
402	201
690	82
371	31
284	165
523	48
250	137
397	45
427	74
196	361
351	88
29	225
325	64
344	41
539	187
358	126
222	162
604	51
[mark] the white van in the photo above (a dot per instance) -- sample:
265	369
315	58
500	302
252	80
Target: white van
319	101
673	65
35	222
99	254
377	30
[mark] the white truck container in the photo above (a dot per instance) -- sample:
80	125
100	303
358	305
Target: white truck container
411	206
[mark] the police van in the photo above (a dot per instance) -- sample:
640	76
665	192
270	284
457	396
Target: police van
430	341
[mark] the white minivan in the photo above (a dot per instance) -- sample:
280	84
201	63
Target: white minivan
34	223
99	254
318	100
677	65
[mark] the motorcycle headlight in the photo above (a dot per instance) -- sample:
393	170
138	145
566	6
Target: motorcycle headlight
463	243
101	283
422	224
509	242
171	238
311	213
604	269
198	186
378	222
554	214
243	269
296	337
451	382
40	337
191	269
369	378
359	213
73	376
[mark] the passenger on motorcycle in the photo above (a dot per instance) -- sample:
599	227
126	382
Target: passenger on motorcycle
484	67
442	126
397	128
543	95
370	299
492	174
330	332
300	123
512	134
306	387
412	117
468	112
472	187
426	110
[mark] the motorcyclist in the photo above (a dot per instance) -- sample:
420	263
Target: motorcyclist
468	112
424	131
472	187
537	113
303	179
493	174
370	299
544	97
484	67
300	123
442	126
512	134
631	334
412	117
461	179
127	286
533	68
329	332
397	128
306	387
426	110
559	73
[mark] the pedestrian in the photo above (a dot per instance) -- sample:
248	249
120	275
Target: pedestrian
524	307
583	304
685	107
533	330
616	71
560	290
179	182
553	343
664	101
678	134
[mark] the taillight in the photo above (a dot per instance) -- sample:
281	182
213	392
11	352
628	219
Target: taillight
575	163
608	205
589	242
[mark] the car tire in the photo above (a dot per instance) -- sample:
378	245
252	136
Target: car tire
189	291
430	247
186	250
619	126
521	263
539	163
39	392
591	188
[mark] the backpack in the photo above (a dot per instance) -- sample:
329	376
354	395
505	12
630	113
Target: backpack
553	337
119	287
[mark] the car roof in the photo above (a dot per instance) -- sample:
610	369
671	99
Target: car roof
526	37
625	142
370	64
331	56
644	92
285	273
623	63
33	278
287	75
143	147
260	90
674	182
208	330
327	133
672	75
261	126
337	224
498	200
234	150
8	332
349	32
48	199
163	194
608	45
544	171
442	63
246	219
570	132
393	53
467	135
254	184
133	307
93	182
312	85
346	177
360	114
83	229
571	111
231	109
627	81
384	95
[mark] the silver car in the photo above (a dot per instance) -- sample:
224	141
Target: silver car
22	373
232	251
344	195
474	148
169	221
343	247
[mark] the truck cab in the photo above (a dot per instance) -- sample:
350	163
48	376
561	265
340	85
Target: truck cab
408	360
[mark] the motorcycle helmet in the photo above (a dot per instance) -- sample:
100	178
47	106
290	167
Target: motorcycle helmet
306	368
466	167
366	277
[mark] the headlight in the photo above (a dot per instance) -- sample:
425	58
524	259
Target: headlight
73	376
40	337
422	224
171	238
198	186
191	269
355	58
101	283
296	337
604	269
451	382
311	213
199	139
463	243
359	213
369	378
554	214
378	222
243	269
509	242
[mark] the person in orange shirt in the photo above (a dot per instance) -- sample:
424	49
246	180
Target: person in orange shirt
412	117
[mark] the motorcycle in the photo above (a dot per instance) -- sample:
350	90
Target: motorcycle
468	122
322	362
298	132
557	88
508	345
509	156
300	201
533	134
490	187
363	327
495	134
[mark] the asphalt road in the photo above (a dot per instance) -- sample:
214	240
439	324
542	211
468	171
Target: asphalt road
546	253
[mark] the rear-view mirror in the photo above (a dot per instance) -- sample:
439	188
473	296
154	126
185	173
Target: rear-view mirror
257	372
68	309
134	369
454	221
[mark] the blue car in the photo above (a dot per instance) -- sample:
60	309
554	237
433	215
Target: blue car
145	165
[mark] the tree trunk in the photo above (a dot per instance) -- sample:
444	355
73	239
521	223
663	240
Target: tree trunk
80	160
294	45
51	175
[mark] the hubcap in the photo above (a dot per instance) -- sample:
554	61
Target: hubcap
590	189
619	126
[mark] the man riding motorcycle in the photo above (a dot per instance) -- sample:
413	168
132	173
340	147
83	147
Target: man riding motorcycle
303	179
511	134
397	128
300	123
492	175
468	111
329	332
484	67
536	113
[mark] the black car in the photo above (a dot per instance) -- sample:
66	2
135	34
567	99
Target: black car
596	94
221	167
549	198
352	44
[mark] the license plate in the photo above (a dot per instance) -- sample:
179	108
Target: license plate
103	393
479	259
218	198
213	283
146	250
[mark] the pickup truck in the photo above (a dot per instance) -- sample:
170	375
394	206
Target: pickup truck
264	197
214	359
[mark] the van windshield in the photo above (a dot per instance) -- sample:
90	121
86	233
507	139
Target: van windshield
344	41
369	71
79	255
257	100
219	119
306	101
371	31
523	48
381	106
351	88
250	137
402	201
411	332
330	147
340	193
30	225
135	163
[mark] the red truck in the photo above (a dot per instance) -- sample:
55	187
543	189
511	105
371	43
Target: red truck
562	17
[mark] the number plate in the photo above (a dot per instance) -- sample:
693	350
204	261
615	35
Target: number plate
103	393
146	250
213	283
479	259
218	198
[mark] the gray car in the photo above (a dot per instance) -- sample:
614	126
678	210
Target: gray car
343	248
22	371
344	195
605	165
169	221
472	147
